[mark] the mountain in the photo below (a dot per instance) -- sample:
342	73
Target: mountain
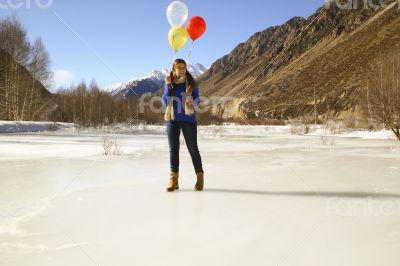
152	82
197	69
275	73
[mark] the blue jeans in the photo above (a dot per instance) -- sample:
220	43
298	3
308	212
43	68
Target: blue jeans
189	131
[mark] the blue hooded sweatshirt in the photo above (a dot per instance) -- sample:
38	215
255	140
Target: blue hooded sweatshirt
179	98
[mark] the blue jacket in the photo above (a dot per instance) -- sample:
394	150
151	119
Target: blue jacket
179	98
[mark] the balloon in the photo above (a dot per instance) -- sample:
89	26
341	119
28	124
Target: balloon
177	13
196	27
177	37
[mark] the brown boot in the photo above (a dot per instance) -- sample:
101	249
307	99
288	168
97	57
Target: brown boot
200	181
173	181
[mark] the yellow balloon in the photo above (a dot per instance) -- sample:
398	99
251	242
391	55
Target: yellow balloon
178	37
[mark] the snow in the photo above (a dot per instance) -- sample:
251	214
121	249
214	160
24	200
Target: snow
354	133
32	126
196	69
270	198
225	128
158	75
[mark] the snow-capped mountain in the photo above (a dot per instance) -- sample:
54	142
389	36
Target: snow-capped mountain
196	70
149	83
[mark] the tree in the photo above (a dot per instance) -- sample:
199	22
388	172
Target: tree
13	39
381	92
39	65
2	89
14	42
39	68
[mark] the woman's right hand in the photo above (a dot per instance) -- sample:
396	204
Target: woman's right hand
168	80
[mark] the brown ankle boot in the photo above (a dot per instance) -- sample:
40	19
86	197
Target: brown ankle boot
173	181
200	181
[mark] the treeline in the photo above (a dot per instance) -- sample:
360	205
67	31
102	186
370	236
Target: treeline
24	71
87	105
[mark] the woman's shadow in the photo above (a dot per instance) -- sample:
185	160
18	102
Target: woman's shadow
339	194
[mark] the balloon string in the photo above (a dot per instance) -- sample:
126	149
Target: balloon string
169	66
171	61
174	55
190	52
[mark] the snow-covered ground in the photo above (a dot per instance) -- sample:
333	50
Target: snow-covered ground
270	198
31	126
226	128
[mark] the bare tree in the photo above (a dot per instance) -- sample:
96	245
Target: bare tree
39	68
13	41
39	65
2	92
381	92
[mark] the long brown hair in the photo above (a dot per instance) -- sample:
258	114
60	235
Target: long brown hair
189	77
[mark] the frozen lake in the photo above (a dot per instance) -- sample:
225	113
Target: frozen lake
270	198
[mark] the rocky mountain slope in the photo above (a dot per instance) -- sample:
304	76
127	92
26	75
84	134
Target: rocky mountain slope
279	72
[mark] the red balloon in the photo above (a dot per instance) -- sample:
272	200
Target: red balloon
196	27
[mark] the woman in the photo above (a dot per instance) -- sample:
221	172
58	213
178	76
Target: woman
181	88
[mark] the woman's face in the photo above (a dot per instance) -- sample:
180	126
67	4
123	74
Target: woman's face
180	70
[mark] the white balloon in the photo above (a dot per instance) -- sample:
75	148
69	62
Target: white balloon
177	13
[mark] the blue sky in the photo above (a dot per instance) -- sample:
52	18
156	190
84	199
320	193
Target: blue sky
116	41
